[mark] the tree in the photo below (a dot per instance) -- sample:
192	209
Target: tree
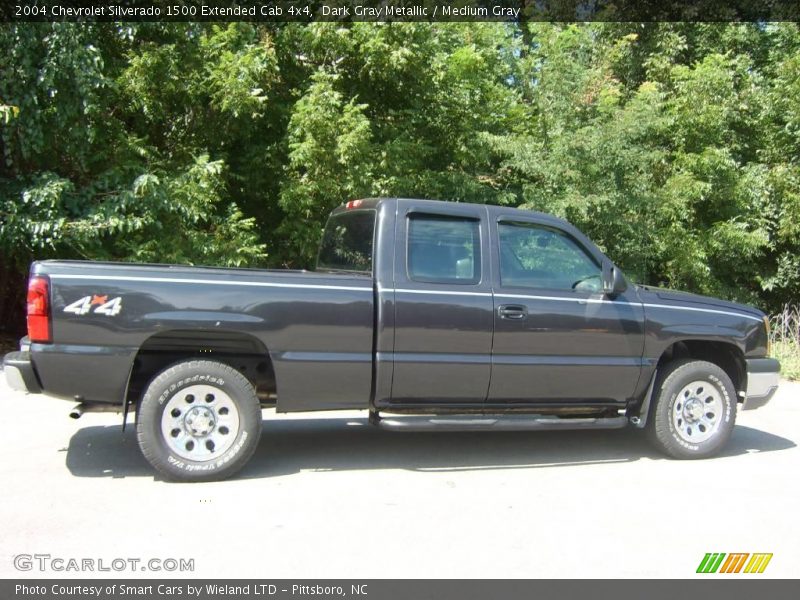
673	145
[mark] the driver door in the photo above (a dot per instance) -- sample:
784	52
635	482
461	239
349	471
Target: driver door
557	338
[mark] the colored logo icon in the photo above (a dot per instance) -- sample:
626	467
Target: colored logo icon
736	562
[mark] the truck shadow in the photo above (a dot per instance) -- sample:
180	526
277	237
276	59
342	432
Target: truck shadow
291	446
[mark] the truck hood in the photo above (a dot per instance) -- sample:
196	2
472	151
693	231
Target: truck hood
650	293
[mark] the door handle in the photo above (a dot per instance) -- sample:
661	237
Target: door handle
512	311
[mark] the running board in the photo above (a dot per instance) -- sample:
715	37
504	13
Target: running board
495	423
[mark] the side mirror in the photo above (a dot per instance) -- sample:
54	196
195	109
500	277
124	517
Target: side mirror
614	282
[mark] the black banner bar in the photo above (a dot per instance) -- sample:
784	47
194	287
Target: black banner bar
738	588
400	10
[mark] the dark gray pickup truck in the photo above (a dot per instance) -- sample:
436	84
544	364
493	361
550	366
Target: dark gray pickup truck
428	315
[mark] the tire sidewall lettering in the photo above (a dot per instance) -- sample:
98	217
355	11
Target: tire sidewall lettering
722	388
174	387
212	465
178	463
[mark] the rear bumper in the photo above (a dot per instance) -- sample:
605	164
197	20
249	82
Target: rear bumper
763	375
19	372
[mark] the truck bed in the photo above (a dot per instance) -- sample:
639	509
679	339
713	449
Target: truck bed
316	328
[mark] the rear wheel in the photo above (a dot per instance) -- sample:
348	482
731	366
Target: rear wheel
198	421
694	411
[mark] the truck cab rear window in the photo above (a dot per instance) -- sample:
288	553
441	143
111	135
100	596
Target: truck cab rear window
347	242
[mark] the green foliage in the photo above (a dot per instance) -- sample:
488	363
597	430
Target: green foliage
785	340
675	146
667	162
77	181
329	161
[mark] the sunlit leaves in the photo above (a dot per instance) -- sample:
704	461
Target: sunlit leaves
675	146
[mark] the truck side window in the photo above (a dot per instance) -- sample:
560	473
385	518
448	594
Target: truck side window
444	249
347	242
541	257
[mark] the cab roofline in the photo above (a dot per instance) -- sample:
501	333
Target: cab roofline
493	210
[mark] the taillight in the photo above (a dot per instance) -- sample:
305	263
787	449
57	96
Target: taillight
354	204
39	309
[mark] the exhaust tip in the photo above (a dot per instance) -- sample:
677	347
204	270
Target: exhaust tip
76	412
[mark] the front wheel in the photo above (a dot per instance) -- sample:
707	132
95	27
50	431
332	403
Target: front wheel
694	411
198	421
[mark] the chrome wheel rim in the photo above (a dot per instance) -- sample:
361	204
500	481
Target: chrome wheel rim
697	411
200	423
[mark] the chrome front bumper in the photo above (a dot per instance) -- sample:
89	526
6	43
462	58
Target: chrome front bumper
763	375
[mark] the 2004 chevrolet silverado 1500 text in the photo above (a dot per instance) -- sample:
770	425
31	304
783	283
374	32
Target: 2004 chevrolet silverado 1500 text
444	316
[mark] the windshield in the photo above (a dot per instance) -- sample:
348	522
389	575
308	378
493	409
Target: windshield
347	242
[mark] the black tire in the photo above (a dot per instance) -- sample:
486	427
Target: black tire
227	414
679	423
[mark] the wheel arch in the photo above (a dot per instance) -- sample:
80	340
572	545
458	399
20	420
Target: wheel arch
727	356
241	351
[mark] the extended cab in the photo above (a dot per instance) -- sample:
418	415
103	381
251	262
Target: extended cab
428	315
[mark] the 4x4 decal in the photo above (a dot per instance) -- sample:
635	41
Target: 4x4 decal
103	305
